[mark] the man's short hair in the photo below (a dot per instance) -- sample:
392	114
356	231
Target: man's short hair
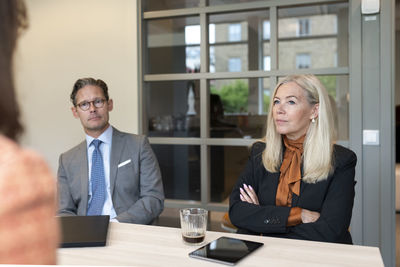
80	83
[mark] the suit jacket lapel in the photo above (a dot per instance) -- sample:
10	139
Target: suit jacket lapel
116	151
84	173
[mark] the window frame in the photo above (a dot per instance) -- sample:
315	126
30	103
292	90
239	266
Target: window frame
205	142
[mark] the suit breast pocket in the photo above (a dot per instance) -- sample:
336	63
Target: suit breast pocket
127	178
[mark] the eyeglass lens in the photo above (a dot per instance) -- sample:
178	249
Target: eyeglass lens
98	103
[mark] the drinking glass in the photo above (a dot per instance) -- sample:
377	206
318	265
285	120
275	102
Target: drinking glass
193	225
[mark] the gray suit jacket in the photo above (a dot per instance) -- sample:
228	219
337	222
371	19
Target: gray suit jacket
136	188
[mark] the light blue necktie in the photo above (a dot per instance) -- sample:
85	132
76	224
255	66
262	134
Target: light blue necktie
97	181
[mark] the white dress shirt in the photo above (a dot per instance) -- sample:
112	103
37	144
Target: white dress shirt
105	149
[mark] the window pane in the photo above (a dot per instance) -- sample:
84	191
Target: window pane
227	162
235	32
267	63
152	5
303	61
234	64
319	31
172	109
266	30
303	27
338	89
236	111
235	40
173	45
180	170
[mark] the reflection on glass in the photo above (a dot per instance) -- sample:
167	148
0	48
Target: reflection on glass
173	45
314	36
227	162
180	169
152	5
235	40
338	90
238	108
172	109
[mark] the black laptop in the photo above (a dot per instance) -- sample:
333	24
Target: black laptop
84	231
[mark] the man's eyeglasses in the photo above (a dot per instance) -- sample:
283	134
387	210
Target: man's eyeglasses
97	103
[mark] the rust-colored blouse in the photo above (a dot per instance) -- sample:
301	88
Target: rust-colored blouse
29	230
290	178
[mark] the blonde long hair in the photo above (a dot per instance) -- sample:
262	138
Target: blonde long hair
320	136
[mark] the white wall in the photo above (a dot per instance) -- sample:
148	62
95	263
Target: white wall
67	40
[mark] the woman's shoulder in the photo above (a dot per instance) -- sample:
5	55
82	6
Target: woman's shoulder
12	153
257	148
23	168
27	190
343	156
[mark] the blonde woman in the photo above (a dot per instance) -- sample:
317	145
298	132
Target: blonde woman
297	183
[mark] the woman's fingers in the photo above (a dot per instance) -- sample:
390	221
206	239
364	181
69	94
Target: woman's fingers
248	195
244	196
251	193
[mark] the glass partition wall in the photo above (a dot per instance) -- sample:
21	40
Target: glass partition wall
208	71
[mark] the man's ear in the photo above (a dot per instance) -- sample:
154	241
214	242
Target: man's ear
74	112
110	104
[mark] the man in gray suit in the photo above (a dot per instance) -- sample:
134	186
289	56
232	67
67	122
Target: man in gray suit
111	172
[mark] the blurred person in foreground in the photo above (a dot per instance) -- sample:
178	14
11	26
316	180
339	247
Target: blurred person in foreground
297	183
28	227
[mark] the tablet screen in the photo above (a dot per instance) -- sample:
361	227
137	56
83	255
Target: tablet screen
226	250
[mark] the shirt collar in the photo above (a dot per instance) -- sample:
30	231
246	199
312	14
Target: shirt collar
105	137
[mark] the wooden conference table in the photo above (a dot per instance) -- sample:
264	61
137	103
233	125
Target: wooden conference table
144	245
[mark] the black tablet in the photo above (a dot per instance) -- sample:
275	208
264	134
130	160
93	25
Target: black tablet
226	250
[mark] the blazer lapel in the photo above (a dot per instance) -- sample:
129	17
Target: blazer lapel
84	174
116	151
296	198
273	180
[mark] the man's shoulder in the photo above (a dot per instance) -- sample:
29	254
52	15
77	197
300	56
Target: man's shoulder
136	138
76	149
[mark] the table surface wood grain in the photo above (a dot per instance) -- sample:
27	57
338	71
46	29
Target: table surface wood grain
145	245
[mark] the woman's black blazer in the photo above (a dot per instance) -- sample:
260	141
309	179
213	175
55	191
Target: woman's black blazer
333	198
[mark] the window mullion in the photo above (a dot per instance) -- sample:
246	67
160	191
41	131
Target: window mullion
274	38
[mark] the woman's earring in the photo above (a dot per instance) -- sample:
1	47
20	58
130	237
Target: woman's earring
313	120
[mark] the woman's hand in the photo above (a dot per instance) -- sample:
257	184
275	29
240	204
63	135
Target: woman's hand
248	195
308	216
